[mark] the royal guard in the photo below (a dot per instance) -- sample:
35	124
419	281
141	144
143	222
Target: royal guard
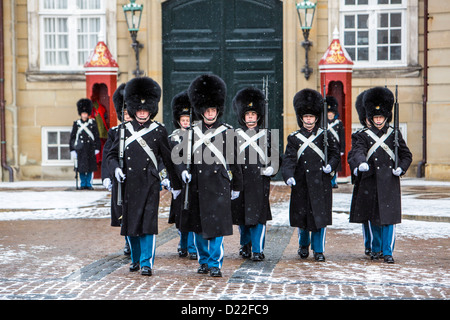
306	167
99	114
213	181
355	179
336	127
181	118
144	142
374	155
251	210
85	143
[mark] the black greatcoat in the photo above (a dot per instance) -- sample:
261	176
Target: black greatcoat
311	197
381	201
252	207
336	128
354	179
85	146
142	182
210	187
176	205
107	172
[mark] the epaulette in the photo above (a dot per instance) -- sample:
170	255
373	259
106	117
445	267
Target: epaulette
294	133
159	123
227	125
174	133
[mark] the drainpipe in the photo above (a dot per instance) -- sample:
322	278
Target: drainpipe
2	98
423	162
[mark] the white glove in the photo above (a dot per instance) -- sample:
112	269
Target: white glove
97	152
73	154
268	171
107	184
166	183
175	193
397	172
234	194
186	176
290	182
119	175
363	167
326	169
355	172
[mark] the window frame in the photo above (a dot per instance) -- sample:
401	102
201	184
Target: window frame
373	10
45	144
72	14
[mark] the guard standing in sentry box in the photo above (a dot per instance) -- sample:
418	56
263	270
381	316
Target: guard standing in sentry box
355	178
382	157
306	167
336	127
85	143
143	143
181	118
213	178
251	210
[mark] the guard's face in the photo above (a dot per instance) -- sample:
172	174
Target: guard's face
126	116
184	122
84	116
379	121
210	115
331	115
251	119
309	121
142	116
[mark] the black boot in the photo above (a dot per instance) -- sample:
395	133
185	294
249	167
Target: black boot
215	272
203	269
146	271
318	256
303	252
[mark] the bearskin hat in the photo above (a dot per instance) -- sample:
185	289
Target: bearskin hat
84	105
359	106
118	101
181	106
308	101
249	99
207	91
332	105
379	101
142	93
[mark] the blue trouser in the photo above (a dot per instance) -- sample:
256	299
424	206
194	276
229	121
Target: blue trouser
367	235
333	180
254	234
143	249
316	239
383	239
85	179
210	251
187	241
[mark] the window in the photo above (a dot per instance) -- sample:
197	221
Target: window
374	32
69	30
55	146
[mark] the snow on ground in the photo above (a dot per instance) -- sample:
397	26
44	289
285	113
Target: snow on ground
49	204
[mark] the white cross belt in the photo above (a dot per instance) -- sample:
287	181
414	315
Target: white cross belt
308	142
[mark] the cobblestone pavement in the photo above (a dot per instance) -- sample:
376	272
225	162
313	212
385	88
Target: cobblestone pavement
82	259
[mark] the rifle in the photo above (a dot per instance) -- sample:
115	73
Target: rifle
396	127
121	147
266	114
75	168
189	156
325	127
